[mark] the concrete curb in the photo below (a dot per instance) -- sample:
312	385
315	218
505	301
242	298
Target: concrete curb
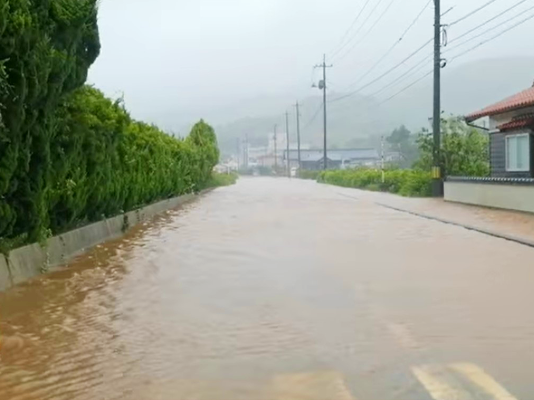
510	238
29	261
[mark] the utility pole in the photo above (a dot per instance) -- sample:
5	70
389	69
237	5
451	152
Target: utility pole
238	154
288	162
298	134
383	161
246	150
322	85
275	150
437	181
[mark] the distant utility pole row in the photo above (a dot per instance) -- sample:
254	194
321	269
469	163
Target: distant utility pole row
322	85
437	186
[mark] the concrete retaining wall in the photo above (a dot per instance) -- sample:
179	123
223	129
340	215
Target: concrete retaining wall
506	196
29	261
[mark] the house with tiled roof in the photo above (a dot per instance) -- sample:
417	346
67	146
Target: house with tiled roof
510	124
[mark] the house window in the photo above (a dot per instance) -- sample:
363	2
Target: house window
518	152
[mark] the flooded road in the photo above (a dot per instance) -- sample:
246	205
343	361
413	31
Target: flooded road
275	289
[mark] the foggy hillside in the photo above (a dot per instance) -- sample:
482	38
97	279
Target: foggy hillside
465	88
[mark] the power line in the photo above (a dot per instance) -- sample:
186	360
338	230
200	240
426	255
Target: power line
384	74
352	25
415	20
310	121
379	104
489	30
388	52
493	37
355	35
488	21
416	68
406	87
404	76
369	30
457	56
472	12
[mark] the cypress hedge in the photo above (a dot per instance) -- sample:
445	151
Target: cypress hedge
69	155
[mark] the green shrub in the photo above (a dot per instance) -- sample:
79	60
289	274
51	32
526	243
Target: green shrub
103	163
306	174
69	155
46	49
218	180
403	182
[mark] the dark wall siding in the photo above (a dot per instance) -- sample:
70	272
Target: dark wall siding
498	158
497	155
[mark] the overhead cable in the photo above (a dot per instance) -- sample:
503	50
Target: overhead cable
388	52
488	21
470	14
384	74
353	24
368	31
493	37
487	30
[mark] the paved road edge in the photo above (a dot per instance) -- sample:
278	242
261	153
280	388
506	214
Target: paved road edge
32	260
488	232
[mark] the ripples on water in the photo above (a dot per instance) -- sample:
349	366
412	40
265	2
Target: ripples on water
251	283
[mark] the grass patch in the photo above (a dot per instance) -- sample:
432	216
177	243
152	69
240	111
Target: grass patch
406	182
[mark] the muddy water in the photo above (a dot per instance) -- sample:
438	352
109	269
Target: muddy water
278	289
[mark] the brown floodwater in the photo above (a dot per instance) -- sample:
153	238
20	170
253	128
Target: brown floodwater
278	289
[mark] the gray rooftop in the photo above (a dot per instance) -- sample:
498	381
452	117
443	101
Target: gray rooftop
334	155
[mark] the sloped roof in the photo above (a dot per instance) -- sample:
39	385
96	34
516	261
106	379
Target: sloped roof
334	155
519	100
521	121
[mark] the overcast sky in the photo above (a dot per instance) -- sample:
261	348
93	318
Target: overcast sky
189	58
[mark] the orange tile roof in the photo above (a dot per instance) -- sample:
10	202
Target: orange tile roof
521	121
517	101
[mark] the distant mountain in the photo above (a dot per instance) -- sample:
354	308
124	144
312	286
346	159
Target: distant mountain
465	88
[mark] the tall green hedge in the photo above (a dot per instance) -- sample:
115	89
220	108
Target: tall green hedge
69	155
104	162
46	48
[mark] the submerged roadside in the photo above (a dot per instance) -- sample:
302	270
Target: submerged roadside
24	263
507	224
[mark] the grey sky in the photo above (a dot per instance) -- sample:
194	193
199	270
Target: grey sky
185	59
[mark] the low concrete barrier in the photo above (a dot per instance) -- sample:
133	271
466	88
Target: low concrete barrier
509	196
31	260
5	276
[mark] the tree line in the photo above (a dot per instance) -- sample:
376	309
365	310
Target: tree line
464	149
68	154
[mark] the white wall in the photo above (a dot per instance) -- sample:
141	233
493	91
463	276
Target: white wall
505	196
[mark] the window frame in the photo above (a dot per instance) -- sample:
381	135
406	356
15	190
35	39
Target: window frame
515	136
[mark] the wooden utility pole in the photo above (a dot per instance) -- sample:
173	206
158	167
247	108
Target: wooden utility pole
246	150
288	162
275	149
383	164
437	179
322	85
238	157
298	135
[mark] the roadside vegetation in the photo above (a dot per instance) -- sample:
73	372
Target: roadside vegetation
217	180
68	154
405	182
464	152
305	174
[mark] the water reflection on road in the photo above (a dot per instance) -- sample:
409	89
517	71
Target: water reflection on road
278	289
